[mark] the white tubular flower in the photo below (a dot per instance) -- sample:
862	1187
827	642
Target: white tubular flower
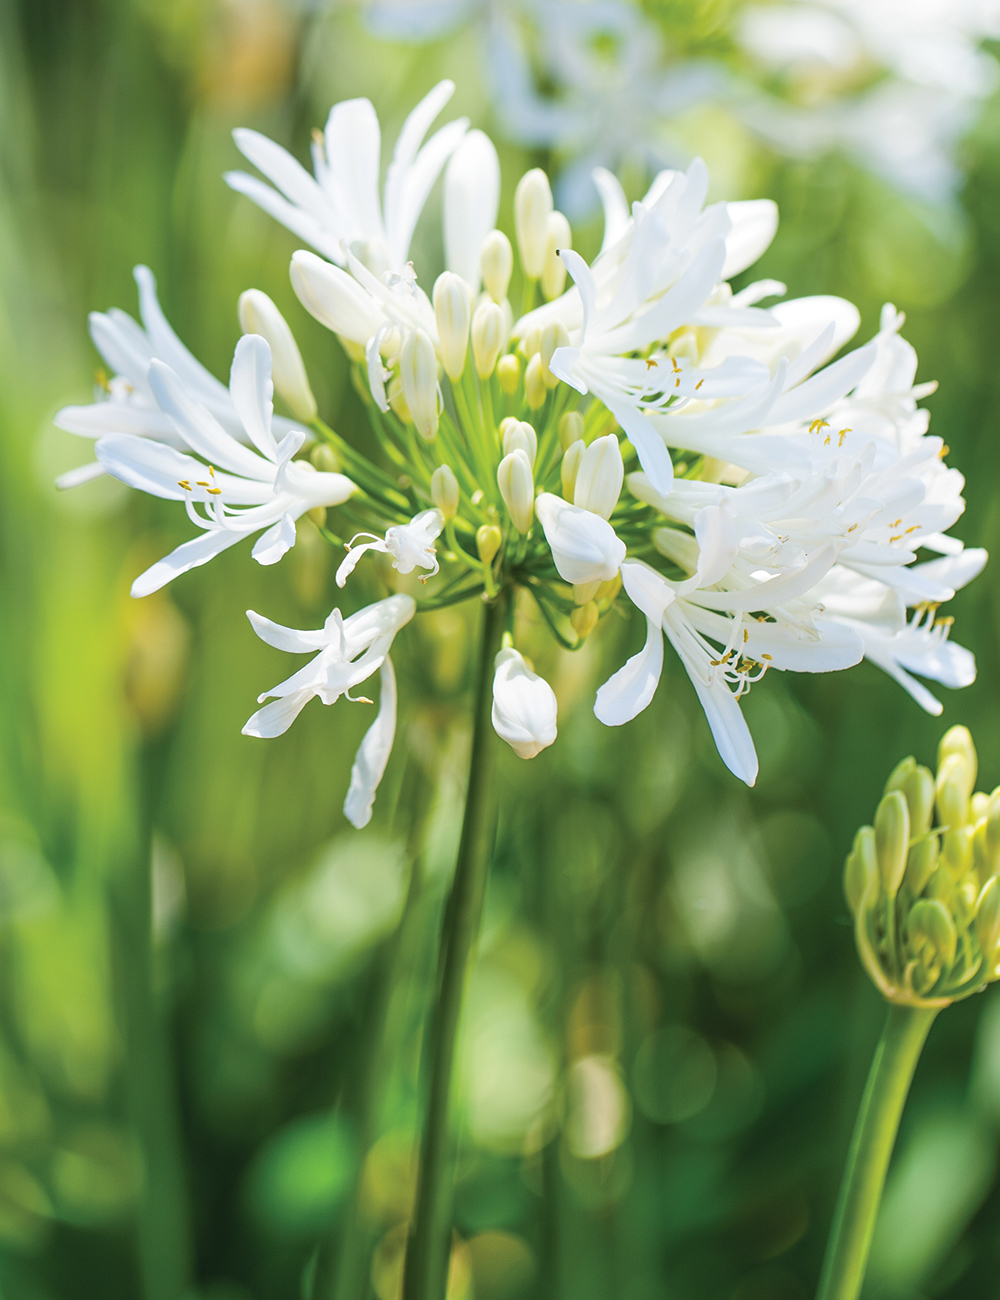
519	433
557	237
497	264
410	545
335	298
259	315
517	487
471	202
585	548
597	482
444	491
418	371
341	205
127	405
489	337
453	311
349	652
524	705
258	489
532	206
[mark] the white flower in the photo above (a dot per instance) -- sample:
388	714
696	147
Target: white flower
471	203
259	315
127	404
598	475
253	489
349	652
585	548
524	705
341	206
517	487
410	545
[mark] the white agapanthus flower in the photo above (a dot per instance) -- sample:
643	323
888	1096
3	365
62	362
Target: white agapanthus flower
410	545
347	651
524	705
256	489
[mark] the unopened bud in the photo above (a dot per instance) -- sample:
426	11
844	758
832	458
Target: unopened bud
325	458
957	740
861	867
993	834
957	850
488	540
531	342
318	515
584	619
953	788
524	705
918	790
892	836
570	429
534	383
418	372
557	235
517	487
571	467
554	335
599	476
259	315
489	337
497	262
921	862
509	373
453	313
519	433
584	593
929	920
607	591
532	206
988	917
397	400
444	491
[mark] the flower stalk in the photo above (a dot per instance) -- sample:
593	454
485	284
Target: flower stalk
427	1253
896	1057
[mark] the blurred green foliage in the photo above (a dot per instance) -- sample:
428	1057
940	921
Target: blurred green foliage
667	1031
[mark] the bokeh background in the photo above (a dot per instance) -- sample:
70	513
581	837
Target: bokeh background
667	1030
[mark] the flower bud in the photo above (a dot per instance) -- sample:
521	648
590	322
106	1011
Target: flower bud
957	850
258	315
325	458
397	400
531	342
518	433
584	593
931	922
988	918
584	619
921	862
570	429
532	206
952	789
571	467
599	476
497	261
517	487
452	311
335	298
557	235
918	790
524	705
993	834
488	541
554	336
892	836
509	373
444	491
585	548
489	337
534	383
418	373
957	740
861	867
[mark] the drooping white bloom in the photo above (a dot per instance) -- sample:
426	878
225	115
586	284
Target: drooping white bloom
349	652
341	206
410	545
585	548
524	705
257	489
127	404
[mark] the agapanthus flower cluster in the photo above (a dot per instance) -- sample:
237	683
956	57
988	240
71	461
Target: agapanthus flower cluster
634	433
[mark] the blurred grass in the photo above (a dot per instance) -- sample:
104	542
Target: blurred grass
668	1030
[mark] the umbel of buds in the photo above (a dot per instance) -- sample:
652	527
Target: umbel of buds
924	881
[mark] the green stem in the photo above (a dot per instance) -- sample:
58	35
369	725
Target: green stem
871	1146
428	1248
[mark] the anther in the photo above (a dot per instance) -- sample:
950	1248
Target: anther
651	364
818	424
698	384
183	483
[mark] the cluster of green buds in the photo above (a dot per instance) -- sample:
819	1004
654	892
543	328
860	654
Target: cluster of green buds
923	882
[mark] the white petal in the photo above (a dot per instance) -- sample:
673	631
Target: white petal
373	753
350	560
168	347
524	705
200	429
471	202
189	555
754	224
615	204
295	219
718	542
630	690
275	718
82	474
287	638
278	539
100	418
583	278
252	391
815	396
353	153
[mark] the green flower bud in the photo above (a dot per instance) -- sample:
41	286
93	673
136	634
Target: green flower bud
897	778
570	429
444	491
941	885
892	840
957	852
993	834
958	741
861	867
952	789
488	541
920	863
918	789
509	373
931	922
988	918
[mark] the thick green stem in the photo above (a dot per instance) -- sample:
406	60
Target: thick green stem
871	1146
428	1248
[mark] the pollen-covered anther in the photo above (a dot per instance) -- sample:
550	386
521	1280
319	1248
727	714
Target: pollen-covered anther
818	424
